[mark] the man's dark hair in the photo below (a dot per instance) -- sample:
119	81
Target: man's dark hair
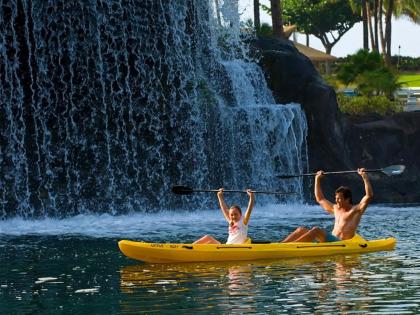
346	191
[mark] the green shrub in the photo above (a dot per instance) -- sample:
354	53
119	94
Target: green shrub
359	105
360	62
368	72
332	81
378	81
266	30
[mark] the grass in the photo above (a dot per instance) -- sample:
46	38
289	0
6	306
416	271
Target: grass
405	78
409	79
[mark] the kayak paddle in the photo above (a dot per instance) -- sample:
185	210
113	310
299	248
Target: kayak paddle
184	190
389	171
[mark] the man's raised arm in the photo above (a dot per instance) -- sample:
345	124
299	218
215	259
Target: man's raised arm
319	195
368	190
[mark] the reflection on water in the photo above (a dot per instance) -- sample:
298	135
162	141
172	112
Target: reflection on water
81	270
344	284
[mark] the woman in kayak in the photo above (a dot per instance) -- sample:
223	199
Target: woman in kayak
238	224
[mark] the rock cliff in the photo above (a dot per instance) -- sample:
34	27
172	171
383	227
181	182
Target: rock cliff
339	142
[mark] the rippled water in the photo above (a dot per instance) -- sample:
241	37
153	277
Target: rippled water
74	266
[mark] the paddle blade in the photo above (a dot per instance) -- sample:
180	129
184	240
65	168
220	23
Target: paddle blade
394	170
182	190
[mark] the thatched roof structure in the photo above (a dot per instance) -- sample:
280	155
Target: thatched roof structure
314	54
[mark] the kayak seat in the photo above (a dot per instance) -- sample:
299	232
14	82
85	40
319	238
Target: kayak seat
251	241
261	242
358	238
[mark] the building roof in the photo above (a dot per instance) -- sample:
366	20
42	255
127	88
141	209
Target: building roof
314	54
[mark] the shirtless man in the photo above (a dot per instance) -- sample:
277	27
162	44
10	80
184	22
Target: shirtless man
347	216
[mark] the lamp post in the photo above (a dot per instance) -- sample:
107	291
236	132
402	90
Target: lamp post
399	55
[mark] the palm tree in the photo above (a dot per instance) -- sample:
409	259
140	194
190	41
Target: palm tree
409	8
370	27
382	11
364	7
388	30
365	24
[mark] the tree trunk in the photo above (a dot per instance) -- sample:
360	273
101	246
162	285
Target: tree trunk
375	25
327	45
381	28
307	40
369	18
328	68
276	16
328	49
388	31
365	26
257	22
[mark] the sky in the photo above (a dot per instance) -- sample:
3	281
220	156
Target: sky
405	34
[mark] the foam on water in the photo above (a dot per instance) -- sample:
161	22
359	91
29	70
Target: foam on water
162	224
174	225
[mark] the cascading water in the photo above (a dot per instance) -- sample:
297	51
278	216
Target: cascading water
107	104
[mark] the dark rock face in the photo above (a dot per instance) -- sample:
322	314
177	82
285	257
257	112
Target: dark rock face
382	141
337	142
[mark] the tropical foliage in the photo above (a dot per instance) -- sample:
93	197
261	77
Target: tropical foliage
368	72
377	21
374	81
359	105
409	8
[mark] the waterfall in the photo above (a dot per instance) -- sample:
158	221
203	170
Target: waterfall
107	104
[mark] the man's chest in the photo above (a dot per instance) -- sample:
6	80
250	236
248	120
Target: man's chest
343	216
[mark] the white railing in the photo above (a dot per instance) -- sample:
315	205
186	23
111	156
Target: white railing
409	98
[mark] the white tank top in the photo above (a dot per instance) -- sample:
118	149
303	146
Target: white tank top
238	233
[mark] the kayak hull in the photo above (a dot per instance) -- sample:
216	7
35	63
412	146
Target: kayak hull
171	253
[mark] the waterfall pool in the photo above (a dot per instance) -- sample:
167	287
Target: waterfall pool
73	265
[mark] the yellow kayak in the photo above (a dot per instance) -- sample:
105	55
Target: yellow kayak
170	253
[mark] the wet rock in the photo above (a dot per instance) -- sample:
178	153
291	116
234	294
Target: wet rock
339	142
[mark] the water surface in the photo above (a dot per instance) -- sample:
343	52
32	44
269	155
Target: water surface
74	266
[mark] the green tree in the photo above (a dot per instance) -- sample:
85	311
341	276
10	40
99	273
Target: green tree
326	20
